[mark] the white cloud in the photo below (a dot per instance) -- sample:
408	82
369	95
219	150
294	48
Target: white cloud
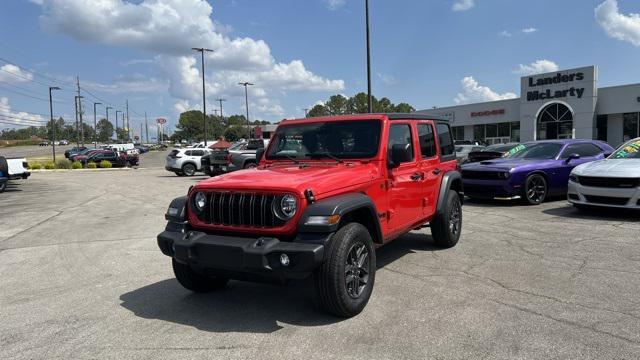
472	92
617	25
463	5
335	4
126	84
388	79
136	62
529	30
13	74
504	33
537	67
168	29
17	117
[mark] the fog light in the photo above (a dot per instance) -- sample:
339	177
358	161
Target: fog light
284	259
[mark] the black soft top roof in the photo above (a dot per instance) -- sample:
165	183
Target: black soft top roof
415	116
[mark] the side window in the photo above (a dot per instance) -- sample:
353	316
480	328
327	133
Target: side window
198	152
400	134
188	153
444	136
427	141
584	150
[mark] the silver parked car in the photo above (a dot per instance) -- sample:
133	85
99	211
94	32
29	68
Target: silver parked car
612	182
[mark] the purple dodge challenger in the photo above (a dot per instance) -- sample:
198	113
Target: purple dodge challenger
531	171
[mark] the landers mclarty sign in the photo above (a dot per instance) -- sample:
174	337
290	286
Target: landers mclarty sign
544	94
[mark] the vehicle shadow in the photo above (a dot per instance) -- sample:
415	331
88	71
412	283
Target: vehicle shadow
506	203
250	307
595	213
12	188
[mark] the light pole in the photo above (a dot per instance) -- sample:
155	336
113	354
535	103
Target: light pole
53	124
204	101
107	108
95	126
370	101
117	135
306	112
246	104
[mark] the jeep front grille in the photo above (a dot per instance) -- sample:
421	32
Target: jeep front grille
241	209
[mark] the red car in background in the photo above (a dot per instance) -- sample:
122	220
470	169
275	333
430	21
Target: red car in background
84	154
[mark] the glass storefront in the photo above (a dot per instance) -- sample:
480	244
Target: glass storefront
497	133
458	132
630	126
555	121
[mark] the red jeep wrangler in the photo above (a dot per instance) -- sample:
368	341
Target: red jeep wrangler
327	192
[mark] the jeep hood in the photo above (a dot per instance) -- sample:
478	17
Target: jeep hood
321	178
610	168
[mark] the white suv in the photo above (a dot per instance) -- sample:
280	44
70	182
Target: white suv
185	161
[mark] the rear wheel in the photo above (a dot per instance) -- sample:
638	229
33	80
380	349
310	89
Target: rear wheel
344	282
446	228
249	165
3	186
193	281
189	169
535	189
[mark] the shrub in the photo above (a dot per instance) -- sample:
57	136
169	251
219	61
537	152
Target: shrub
76	165
35	166
105	164
63	164
50	165
91	165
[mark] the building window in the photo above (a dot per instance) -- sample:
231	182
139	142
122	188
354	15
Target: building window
497	133
491	130
478	133
458	132
555	121
515	131
630	126
601	127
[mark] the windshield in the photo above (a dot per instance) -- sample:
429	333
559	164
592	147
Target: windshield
238	146
630	150
339	139
534	151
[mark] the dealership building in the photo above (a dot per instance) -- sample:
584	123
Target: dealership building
559	105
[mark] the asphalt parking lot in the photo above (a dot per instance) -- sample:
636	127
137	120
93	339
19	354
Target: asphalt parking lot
82	277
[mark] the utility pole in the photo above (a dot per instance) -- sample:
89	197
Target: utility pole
117	135
53	124
370	101
246	104
306	112
204	100
128	125
78	99
221	100
107	108
95	126
81	133
146	127
140	139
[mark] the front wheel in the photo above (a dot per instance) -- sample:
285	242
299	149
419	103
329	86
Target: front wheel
195	282
535	189
189	169
344	282
447	227
3	186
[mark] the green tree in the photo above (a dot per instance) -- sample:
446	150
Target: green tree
105	130
318	110
337	105
404	108
358	104
234	133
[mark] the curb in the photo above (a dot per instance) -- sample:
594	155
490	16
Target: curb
81	170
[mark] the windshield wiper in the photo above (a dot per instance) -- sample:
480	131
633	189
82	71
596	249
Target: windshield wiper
295	161
325	154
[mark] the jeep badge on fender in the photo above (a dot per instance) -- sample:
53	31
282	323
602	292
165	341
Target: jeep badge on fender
326	193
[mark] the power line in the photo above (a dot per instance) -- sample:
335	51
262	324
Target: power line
16	124
23	119
66	83
31	96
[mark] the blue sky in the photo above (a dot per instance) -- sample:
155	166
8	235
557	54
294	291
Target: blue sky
426	53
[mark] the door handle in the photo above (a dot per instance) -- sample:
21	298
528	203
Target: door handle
417	176
437	171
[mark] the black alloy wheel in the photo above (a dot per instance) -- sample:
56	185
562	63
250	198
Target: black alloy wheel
356	270
535	189
455	218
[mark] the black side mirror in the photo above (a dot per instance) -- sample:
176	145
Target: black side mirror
259	153
399	153
572	157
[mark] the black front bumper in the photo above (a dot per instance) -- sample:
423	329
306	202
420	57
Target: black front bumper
253	259
22	175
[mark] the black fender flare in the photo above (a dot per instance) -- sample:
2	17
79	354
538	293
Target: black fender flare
340	205
4	167
451	181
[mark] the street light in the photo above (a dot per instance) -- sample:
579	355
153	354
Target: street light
204	101
246	103
117	135
53	124
95	126
370	101
107	108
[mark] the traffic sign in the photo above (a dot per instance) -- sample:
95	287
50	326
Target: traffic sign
161	120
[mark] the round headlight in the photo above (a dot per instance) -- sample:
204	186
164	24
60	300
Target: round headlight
288	207
200	201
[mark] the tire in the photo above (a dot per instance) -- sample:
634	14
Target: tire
3	186
4	167
535	189
189	169
447	227
351	245
249	165
195	282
